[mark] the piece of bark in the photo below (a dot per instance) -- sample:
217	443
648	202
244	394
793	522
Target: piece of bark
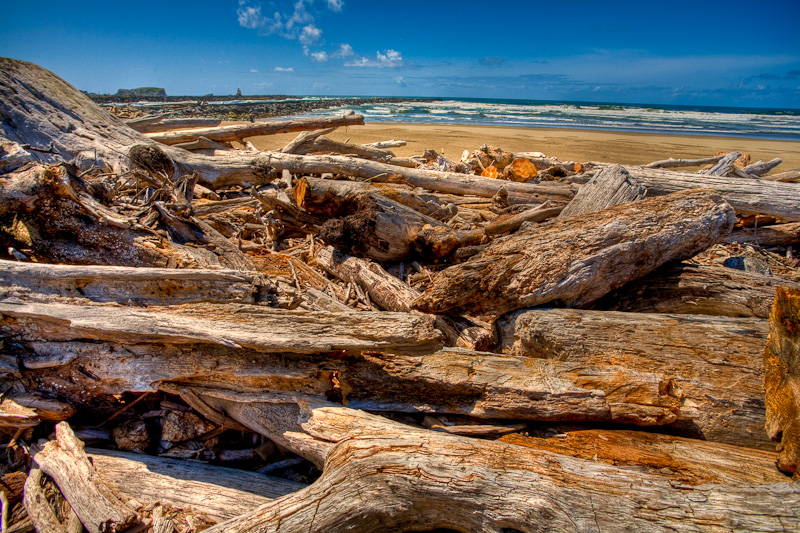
465	332
237	132
508	223
765	236
47	409
40	512
715	361
14	415
578	260
178	426
12	484
612	186
384	289
684	461
233	326
92	500
696	289
782	378
141	286
219	492
673	163
381	475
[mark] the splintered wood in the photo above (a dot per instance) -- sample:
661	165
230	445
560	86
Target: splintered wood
326	337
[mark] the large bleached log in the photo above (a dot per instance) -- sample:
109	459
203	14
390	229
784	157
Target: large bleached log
746	196
696	289
93	501
44	208
578	260
782	378
612	186
142	286
716	362
155	351
381	475
685	461
446	182
219	492
237	132
231	325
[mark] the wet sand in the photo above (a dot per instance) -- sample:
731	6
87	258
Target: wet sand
565	144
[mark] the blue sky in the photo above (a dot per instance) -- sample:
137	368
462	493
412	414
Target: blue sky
731	53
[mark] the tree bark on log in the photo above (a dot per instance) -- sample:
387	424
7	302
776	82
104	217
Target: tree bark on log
782	378
578	260
142	286
93	501
219	492
40	512
237	132
684	461
380	475
233	325
698	290
716	361
612	186
790	176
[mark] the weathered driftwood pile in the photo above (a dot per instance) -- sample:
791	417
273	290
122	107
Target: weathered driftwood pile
408	344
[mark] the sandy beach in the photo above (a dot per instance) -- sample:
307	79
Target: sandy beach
565	144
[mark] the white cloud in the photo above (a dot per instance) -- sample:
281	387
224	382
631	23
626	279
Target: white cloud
253	71
345	50
389	59
335	5
284	69
320	57
250	17
310	34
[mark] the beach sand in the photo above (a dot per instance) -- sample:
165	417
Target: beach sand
565	144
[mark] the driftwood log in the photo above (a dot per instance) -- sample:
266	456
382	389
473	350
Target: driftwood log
782	378
746	196
716	361
578	260
611	186
696	289
380	475
237	132
219	492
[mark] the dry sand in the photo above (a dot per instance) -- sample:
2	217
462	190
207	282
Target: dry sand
565	144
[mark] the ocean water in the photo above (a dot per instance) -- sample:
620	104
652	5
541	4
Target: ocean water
684	120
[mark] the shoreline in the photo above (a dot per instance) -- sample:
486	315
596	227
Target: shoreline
567	144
